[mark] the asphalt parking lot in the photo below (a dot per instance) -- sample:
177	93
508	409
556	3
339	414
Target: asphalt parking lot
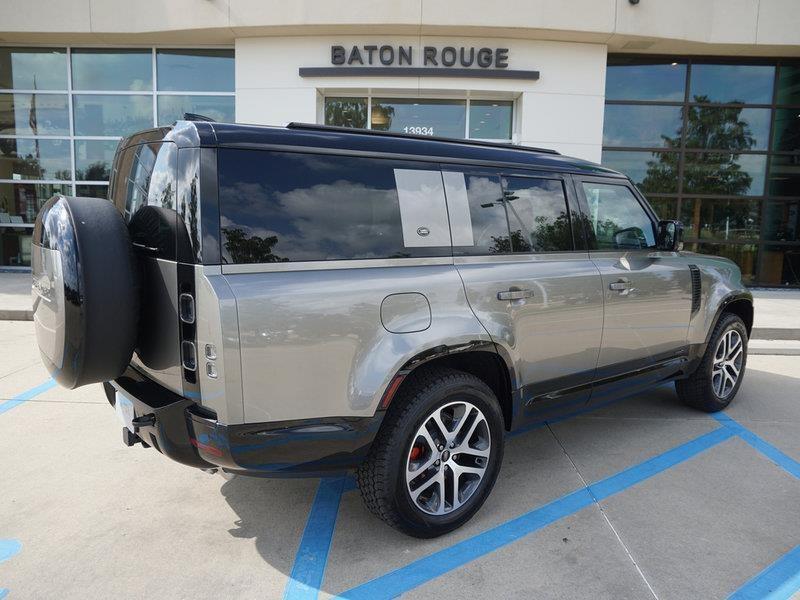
642	498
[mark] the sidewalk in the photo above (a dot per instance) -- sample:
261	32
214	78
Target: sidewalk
776	329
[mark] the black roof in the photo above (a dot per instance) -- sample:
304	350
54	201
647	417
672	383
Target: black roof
203	133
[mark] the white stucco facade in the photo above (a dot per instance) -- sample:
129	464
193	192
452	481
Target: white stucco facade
269	89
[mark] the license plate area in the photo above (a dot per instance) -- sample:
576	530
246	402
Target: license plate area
123	406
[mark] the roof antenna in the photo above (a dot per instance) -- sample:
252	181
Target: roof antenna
195	117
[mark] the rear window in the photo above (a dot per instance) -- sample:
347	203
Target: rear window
291	207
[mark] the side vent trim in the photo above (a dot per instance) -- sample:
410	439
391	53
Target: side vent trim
696	288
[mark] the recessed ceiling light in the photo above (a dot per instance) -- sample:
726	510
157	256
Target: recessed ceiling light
674	64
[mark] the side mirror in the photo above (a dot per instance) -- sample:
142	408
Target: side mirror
670	236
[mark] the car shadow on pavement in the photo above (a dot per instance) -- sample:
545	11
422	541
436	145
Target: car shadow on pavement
274	512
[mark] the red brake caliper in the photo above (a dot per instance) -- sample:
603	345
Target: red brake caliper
416	452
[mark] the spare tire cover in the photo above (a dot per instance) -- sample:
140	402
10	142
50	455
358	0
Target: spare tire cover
85	290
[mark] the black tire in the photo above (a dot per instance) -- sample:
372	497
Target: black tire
381	478
86	309
698	390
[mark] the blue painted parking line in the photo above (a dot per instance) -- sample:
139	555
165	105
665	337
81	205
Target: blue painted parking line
312	555
778	581
8	548
779	458
434	565
28	395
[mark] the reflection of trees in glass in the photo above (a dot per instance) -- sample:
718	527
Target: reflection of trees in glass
707	172
382	115
346	113
250	249
97	171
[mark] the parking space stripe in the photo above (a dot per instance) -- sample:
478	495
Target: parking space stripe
778	581
25	396
778	457
312	555
434	565
8	548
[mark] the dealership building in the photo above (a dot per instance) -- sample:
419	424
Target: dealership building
697	101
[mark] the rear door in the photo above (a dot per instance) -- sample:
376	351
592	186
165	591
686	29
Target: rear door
647	292
528	280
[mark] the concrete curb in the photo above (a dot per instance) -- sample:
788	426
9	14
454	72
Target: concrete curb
775	333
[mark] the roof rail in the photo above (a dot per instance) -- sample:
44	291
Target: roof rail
413	136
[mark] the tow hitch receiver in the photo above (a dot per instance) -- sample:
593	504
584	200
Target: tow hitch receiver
131	439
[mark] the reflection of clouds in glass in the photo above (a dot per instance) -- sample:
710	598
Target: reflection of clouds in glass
326	221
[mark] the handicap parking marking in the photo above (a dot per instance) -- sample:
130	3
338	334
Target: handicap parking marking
28	395
8	548
779	581
434	565
771	452
312	554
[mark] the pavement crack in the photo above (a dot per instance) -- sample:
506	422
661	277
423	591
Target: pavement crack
603	514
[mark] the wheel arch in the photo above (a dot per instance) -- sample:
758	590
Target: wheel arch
481	359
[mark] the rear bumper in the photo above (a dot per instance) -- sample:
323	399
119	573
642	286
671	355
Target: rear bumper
187	433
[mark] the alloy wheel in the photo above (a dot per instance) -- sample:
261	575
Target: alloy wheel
448	458
727	364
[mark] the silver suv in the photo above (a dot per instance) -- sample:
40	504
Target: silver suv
308	300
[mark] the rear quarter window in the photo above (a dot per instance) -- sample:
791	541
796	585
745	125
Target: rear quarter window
294	207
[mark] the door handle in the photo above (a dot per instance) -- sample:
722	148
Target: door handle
622	286
515	294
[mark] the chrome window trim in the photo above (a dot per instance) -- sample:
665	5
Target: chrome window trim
522	257
325	265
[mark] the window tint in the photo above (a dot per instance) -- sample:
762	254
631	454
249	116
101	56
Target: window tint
477	214
281	207
537	214
618	220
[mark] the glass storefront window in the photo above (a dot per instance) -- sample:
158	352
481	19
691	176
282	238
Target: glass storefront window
346	112
111	115
490	119
727	128
666	208
443	118
744	255
27	158
641	126
780	265
782	221
93	159
724	174
91	191
635	78
103	69
37	129
784	175
745	84
195	70
652	172
34	114
786	135
33	68
788	84
171	108
20	202
716	219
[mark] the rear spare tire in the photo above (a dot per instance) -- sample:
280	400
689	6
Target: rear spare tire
85	290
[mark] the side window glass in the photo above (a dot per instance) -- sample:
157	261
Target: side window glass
537	214
478	217
292	207
618	220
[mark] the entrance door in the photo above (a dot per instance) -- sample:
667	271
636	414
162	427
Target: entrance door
539	298
647	292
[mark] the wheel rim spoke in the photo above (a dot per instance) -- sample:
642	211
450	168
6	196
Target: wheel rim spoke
727	364
454	463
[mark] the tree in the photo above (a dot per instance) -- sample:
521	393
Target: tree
708	171
250	249
346	113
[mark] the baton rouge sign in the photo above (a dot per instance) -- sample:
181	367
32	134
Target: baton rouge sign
374	60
